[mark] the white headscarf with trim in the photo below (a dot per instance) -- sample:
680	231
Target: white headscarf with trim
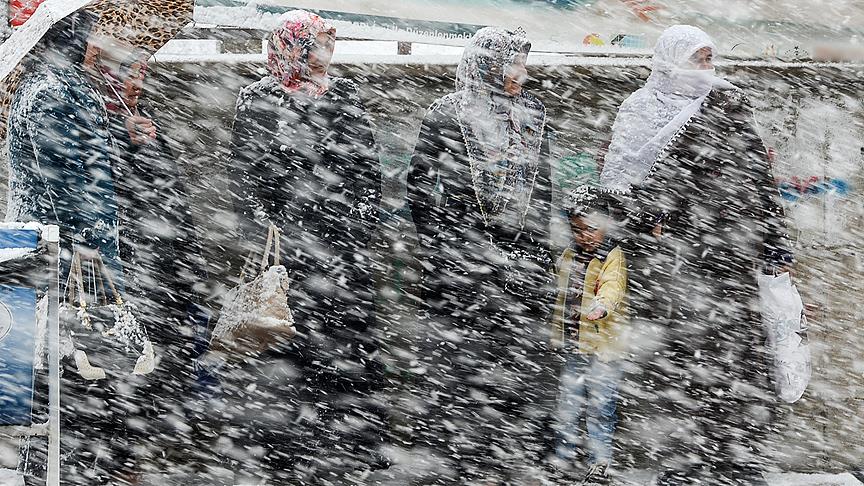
649	119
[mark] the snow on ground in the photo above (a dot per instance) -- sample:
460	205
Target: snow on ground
634	478
812	480
9	477
7	254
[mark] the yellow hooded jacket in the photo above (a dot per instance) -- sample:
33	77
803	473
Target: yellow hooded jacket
606	284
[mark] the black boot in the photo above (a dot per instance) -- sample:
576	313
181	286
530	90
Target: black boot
597	475
740	475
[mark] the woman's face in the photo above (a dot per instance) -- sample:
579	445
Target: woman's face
134	83
515	75
321	54
703	59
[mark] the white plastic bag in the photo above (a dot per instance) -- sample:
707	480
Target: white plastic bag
786	327
256	313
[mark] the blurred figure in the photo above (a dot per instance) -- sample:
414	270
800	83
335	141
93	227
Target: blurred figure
706	219
158	241
480	197
590	326
61	151
166	274
304	159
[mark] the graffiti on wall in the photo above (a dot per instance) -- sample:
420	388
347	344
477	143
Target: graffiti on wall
796	188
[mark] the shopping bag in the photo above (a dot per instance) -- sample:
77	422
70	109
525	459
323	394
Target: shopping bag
256	315
104	336
786	328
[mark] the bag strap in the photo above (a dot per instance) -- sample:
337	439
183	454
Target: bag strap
266	257
277	246
273	243
105	276
272	246
75	282
97	283
98	276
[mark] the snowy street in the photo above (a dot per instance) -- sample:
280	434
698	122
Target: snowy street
431	242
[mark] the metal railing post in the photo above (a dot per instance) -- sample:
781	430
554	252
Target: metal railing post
52	238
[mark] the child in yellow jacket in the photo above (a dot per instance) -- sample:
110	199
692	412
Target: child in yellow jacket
589	326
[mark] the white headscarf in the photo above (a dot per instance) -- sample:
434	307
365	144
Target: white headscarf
649	119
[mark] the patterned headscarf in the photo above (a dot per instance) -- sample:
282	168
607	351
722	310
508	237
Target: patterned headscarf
485	57
288	51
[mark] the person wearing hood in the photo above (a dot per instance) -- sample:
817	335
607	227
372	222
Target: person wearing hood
590	327
480	197
60	146
304	160
705	220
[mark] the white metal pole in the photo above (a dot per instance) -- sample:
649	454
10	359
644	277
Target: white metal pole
52	238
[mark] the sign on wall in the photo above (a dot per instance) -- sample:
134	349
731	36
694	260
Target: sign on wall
17	354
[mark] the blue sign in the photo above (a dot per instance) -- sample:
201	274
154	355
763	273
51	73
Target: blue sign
19	238
17	353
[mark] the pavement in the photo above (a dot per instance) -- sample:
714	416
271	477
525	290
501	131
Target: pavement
393	477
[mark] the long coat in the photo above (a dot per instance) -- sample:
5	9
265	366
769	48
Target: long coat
484	316
158	243
712	191
309	166
60	156
165	273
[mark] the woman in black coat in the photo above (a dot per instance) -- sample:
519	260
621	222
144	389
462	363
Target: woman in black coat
706	220
480	197
304	160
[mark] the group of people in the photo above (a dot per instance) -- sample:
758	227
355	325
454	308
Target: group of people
517	344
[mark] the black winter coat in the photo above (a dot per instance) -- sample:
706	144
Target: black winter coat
488	379
458	252
309	166
157	237
712	191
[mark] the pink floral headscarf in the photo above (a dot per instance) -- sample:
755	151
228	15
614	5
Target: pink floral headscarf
288	51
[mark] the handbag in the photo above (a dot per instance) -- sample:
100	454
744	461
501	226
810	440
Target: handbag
256	315
106	337
786	329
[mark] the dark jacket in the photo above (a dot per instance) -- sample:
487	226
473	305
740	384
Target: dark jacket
483	334
459	254
310	167
60	151
158	243
713	192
